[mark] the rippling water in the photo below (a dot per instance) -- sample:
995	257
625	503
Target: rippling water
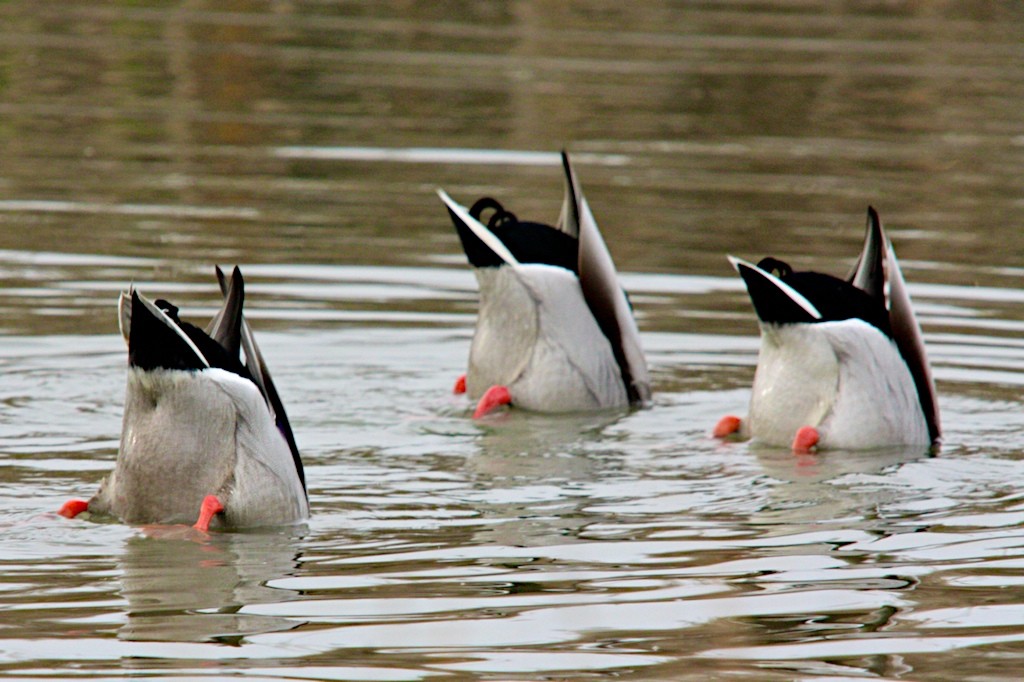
145	141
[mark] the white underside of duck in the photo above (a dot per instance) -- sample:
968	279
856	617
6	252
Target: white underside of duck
846	379
189	434
536	335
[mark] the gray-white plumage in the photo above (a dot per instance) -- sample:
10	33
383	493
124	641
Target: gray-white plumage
191	429
845	378
536	336
842	356
554	325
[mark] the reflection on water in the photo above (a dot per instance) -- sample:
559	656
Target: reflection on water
188	591
820	487
143	142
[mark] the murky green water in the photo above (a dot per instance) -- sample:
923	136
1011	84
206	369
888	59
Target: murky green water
145	141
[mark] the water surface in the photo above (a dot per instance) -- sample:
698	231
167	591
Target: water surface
143	142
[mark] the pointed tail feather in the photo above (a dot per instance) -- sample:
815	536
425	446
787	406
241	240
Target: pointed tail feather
155	341
482	247
869	272
226	326
569	218
124	313
774	300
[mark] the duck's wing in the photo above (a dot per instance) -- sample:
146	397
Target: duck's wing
602	291
257	367
265	466
155	341
877	272
775	302
482	247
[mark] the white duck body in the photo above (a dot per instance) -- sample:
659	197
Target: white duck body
844	357
536	335
189	434
554	327
845	378
198	423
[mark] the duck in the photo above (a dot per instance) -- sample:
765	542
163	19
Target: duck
205	436
842	363
555	331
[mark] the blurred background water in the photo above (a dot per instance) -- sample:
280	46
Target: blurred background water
146	141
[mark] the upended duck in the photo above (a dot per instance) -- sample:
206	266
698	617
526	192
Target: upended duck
204	434
842	363
555	331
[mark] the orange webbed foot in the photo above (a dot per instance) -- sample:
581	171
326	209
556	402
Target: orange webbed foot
73	508
806	440
495	397
727	426
460	385
210	507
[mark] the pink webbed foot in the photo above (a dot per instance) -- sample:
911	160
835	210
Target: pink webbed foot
211	506
806	439
495	397
726	426
460	385
73	508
